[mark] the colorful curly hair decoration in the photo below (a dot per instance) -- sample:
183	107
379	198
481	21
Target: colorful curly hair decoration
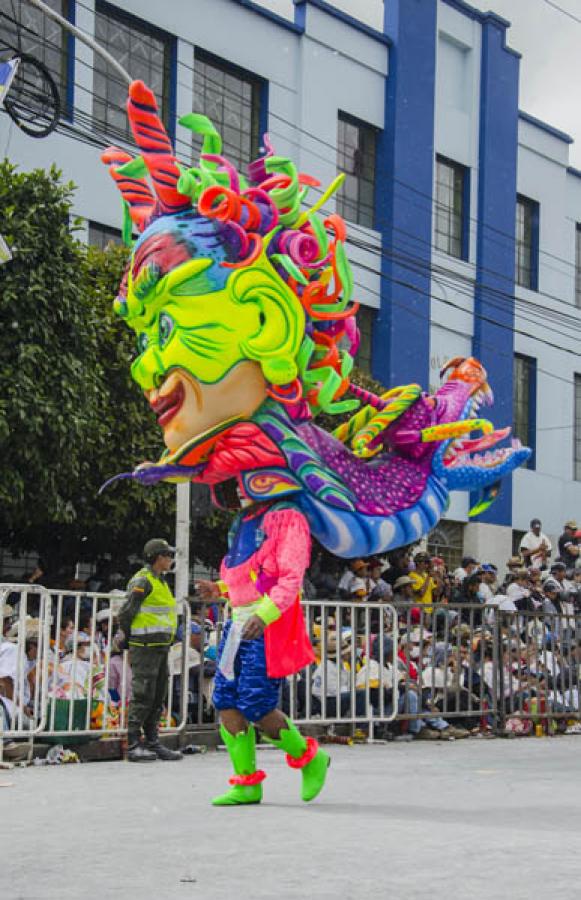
249	216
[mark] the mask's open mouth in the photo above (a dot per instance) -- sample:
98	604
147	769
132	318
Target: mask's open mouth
166	406
467	451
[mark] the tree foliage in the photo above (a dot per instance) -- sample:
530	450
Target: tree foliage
70	416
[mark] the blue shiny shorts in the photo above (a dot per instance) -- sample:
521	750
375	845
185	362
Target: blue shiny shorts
251	692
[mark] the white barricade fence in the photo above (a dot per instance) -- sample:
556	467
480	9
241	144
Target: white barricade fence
379	663
24	651
354	678
64	674
538	677
64	669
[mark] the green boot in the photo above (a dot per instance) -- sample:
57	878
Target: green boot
246	783
304	754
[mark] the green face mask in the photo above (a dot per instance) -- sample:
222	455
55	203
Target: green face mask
255	317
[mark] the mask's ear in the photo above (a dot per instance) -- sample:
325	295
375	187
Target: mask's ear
282	323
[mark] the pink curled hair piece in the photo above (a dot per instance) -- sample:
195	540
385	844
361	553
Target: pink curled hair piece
257	169
226	166
303	249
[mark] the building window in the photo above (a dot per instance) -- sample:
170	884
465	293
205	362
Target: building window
231	98
447	542
102	236
577	430
578	265
527	243
365	320
356	153
24	27
451	232
141	50
524	404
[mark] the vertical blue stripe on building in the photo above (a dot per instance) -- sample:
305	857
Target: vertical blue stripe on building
262	110
495	261
71	13
172	89
403	209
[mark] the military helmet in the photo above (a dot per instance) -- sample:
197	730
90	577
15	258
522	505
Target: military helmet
157	547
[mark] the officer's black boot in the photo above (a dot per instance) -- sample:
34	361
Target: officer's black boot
155	746
138	752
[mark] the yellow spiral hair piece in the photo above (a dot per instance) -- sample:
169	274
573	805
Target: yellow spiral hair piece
399	400
455	429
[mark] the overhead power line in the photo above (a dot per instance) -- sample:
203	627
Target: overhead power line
414	264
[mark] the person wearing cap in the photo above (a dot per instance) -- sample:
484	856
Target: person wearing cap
559	573
512	564
423	583
354	576
535	547
487	589
569	544
467	567
148	620
551	595
403	589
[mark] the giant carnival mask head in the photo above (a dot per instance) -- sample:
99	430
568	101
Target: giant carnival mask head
240	300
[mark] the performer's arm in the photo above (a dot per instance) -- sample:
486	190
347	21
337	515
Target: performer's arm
290	533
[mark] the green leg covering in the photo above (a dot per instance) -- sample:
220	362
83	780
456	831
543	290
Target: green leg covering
314	772
242	750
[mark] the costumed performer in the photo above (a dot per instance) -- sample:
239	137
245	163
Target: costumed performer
240	299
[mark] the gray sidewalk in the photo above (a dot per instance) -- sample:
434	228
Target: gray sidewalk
471	819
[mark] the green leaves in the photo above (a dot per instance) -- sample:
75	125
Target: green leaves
70	416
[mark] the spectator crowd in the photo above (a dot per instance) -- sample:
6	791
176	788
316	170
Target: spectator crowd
449	651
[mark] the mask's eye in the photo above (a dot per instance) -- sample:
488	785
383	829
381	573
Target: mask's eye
142	342
166	324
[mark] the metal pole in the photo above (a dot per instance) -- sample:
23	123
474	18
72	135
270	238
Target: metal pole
182	541
82	36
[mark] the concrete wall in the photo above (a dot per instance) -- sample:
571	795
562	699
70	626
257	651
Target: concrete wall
550	336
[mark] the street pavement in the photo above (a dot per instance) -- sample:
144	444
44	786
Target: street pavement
469	819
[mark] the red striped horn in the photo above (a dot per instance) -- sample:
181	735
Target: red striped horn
156	149
135	191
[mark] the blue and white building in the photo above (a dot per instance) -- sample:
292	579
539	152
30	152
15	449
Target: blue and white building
465	215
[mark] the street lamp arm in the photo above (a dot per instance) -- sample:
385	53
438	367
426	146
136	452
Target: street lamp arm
82	36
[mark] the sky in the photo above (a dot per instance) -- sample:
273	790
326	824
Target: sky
548	39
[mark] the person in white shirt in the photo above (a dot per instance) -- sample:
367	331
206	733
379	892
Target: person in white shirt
357	571
519	588
535	547
467	567
488	585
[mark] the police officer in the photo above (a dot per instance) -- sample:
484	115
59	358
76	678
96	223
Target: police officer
149	621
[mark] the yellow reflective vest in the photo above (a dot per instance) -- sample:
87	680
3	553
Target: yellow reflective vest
156	622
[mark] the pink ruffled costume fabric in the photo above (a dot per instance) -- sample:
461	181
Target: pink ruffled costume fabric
280	562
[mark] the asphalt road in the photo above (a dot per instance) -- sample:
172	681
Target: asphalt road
470	819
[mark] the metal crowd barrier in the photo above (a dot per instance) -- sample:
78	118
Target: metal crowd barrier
378	665
70	691
538	677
